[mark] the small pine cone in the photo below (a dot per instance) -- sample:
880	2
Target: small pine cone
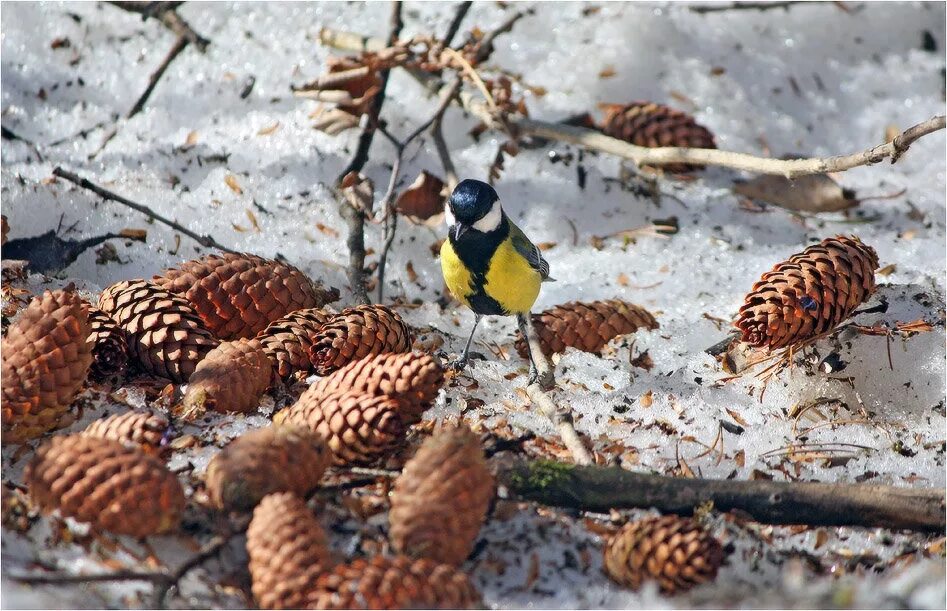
394	583
231	378
412	378
165	335
145	430
287	341
356	333
358	428
809	294
674	551
440	499
288	551
586	326
45	361
238	294
103	482
109	347
272	459
654	125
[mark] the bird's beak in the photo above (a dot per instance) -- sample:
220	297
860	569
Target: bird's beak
459	230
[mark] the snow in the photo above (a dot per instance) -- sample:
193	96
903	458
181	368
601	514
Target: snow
857	71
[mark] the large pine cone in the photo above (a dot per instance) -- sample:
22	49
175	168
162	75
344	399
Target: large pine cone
231	378
674	551
809	294
146	430
238	294
165	335
45	360
358	428
586	326
287	550
412	378
394	583
113	487
287	341
441	498
109	347
655	125
272	459
356	333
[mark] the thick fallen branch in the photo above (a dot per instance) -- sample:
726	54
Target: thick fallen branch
599	489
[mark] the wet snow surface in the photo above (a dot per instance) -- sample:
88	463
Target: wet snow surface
813	79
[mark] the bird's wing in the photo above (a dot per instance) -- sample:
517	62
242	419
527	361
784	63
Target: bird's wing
529	250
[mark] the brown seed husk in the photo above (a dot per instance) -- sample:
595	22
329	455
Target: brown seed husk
165	335
109	346
356	333
441	498
676	552
394	583
238	294
105	483
231	378
45	359
147	431
263	461
412	378
288	551
287	341
809	294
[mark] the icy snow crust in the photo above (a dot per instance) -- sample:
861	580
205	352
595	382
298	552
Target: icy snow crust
856	73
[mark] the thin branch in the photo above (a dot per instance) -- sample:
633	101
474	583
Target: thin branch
459	15
166	13
355	242
203	240
179	45
742	6
8	134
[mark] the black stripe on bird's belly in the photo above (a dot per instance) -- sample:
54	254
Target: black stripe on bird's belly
475	249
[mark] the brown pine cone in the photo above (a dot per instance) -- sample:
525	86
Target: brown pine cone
674	551
111	486
394	583
586	326
45	359
271	459
238	294
441	498
356	333
146	430
654	125
109	347
358	428
288	551
165	335
231	378
809	294
287	341
412	378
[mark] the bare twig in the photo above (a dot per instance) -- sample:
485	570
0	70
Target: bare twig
355	220
742	6
10	135
166	13
203	240
459	15
179	46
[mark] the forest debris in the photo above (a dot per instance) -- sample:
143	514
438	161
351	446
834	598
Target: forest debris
813	193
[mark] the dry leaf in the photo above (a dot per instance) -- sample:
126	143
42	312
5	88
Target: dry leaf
266	131
887	270
607	72
813	193
329	231
412	275
423	200
532	575
191	139
740	458
359	191
739	419
333	121
623	279
253	221
646	399
231	181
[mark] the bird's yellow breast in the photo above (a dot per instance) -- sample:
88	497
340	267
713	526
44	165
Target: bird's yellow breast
510	280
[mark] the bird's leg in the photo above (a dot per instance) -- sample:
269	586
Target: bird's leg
462	362
524	330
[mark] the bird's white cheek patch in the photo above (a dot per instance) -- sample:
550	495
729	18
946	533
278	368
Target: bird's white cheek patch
491	220
449	216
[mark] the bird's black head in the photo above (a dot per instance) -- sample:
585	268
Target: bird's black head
473	204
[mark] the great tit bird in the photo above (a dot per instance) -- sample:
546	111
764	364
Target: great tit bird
488	262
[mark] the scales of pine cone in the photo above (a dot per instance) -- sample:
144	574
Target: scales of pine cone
230	378
287	341
146	430
356	333
109	347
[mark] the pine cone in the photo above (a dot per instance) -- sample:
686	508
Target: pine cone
165	335
45	359
358	428
356	333
441	498
109	347
287	341
288	551
394	583
412	378
146	430
809	294
111	486
654	125
674	551
271	459
238	294
586	326
231	378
